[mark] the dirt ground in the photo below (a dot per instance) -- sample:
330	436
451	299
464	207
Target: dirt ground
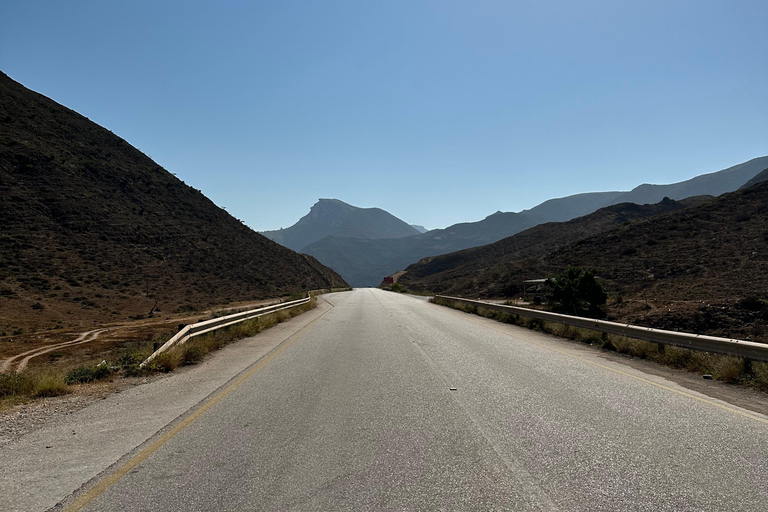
113	336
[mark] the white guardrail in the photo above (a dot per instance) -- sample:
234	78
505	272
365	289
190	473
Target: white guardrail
746	349
199	328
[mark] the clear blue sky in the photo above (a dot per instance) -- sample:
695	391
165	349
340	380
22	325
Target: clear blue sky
437	111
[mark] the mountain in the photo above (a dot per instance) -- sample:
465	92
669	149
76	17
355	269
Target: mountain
331	217
92	230
701	269
457	272
570	207
420	229
365	262
763	176
712	184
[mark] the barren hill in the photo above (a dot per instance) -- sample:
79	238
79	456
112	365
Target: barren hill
459	272
92	230
702	269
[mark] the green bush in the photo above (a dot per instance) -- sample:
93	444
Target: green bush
84	374
577	292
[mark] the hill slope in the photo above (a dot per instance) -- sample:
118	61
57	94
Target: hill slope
365	262
91	229
712	184
571	207
763	176
331	217
459	272
702	269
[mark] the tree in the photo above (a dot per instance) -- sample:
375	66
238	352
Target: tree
577	292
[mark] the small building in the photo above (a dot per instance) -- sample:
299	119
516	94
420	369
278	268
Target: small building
534	287
388	280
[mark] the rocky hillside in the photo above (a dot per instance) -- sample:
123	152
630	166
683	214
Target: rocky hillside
92	230
331	217
701	269
457	273
364	262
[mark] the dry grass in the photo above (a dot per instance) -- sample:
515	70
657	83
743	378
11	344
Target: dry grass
16	388
194	350
32	384
721	367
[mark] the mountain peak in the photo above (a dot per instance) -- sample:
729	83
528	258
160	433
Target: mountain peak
337	218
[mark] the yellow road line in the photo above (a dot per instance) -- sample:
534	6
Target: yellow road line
614	370
123	470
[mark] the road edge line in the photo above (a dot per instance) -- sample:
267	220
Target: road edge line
114	476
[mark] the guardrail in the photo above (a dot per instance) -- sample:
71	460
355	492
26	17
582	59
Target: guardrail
748	350
199	328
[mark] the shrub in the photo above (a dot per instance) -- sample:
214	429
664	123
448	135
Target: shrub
15	384
50	385
85	374
79	375
166	362
577	292
191	354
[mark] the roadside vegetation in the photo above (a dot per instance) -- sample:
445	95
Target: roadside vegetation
17	388
577	292
395	287
720	367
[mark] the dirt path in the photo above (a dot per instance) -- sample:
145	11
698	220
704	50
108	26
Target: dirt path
137	330
84	337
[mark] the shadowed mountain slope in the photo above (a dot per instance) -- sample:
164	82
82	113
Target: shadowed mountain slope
712	184
365	262
93	230
331	217
701	269
763	176
571	207
457	272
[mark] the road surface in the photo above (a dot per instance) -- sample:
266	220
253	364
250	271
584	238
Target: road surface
387	402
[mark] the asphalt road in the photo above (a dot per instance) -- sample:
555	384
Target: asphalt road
387	402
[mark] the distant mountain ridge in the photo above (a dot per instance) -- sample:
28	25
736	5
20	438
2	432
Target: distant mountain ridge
701	269
571	207
712	184
332	217
92	230
469	271
763	176
365	262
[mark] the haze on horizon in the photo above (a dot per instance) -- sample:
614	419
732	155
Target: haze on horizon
437	112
